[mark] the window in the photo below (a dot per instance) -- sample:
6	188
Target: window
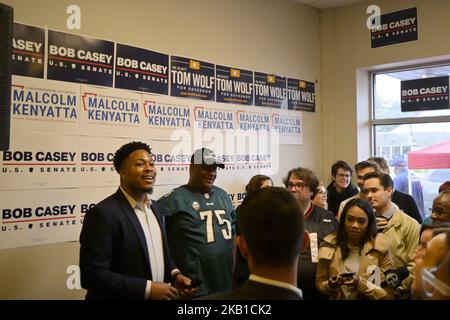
400	137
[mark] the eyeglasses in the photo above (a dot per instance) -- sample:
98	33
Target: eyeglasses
343	175
298	185
433	284
438	211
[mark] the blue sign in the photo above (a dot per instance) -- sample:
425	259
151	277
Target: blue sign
425	94
234	85
80	59
28	51
191	78
270	91
141	70
301	95
395	27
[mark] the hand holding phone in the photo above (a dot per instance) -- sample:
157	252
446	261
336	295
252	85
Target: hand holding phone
195	282
347	275
349	279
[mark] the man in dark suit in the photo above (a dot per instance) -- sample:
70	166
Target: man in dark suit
271	230
124	252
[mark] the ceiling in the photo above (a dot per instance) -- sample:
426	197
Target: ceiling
323	4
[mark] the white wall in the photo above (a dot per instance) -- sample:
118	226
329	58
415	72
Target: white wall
273	36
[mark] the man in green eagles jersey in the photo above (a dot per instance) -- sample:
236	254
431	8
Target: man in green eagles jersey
200	222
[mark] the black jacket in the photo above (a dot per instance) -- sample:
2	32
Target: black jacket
334	198
322	222
253	290
407	204
114	259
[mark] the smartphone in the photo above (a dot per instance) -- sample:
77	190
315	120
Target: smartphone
347	275
195	282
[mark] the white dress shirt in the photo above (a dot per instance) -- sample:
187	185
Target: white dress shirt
153	238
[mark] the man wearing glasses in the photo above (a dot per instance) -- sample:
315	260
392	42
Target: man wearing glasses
318	223
441	209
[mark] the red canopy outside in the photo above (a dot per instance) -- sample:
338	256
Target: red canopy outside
436	156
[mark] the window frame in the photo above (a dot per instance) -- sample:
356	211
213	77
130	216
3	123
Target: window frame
373	123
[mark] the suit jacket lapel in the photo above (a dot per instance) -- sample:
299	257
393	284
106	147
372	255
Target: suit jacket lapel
125	206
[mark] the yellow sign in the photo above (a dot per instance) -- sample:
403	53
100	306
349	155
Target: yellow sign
194	64
271	79
235	73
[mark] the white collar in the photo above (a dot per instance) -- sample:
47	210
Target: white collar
276	283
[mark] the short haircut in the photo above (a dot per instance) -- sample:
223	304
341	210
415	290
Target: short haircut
367	164
340	164
433	226
271	222
384	178
124	151
371	231
316	191
308	177
441	230
256	182
444	186
382	163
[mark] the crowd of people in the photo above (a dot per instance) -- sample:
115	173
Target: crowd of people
300	241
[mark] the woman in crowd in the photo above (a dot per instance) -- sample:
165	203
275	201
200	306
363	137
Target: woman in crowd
257	182
432	270
352	261
319	196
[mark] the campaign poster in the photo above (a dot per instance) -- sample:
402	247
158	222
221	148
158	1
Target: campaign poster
270	91
38	160
395	27
81	59
95	165
39	217
288	126
257	120
425	94
244	155
44	105
90	196
110	112
172	159
28	51
234	85
141	70
190	78
301	95
210	117
166	118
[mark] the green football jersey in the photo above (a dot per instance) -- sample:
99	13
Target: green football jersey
201	230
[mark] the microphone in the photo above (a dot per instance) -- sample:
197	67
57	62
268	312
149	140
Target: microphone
394	278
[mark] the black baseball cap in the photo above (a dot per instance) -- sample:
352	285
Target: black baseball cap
207	157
